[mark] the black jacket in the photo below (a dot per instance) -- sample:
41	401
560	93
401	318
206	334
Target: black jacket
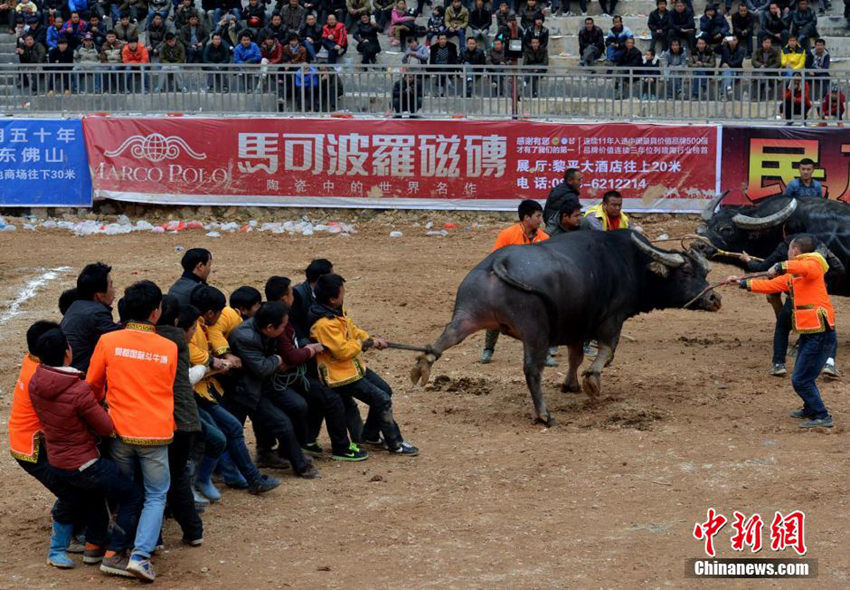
659	20
557	198
302	300
184	286
185	406
558	229
451	57
531	33
594	37
84	323
682	20
407	97
259	363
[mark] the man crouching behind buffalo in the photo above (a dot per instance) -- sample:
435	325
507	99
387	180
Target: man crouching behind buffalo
608	215
570	219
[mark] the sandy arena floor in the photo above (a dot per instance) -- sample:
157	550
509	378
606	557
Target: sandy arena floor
608	498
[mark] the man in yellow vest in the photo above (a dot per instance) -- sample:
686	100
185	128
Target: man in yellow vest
608	215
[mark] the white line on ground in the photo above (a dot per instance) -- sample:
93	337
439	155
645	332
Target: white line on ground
30	290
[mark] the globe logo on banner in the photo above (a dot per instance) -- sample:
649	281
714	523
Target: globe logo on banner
156	148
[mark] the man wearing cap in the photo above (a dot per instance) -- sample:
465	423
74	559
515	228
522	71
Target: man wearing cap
87	57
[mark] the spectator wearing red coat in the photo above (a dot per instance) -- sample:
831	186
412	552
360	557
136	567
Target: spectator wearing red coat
797	99
334	38
833	103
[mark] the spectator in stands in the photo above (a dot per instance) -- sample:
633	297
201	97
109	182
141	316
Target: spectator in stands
502	15
294	52
817	62
703	62
87	57
7	15
225	8
457	19
96	29
246	53
535	60
254	15
616	40
110	55
366	35
793	57
194	36
38	32
480	19
774	25
134	56
137	9
832	106
383	10
157	30
32	53
330	89
768	60
609	7
354	10
682	25
436	24
407	96
217	52
526	14
335	7
804	23
160	7
292	14
74	30
403	23
496	60
631	61
63	58
713	26
537	31
512	38
310	35
591	43
172	56
124	30
334	39
415	53
275	29
797	102
659	26
184	12
54	32
650	74
443	54
472	56
743	25
732	56
272	56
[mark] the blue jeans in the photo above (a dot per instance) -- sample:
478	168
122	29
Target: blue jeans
215	443
234	432
812	353
333	54
729	76
781	332
156	479
218	13
152	13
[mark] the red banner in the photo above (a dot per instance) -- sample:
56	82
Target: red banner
400	163
759	162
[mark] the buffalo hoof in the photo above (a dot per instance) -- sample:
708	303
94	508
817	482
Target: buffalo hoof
591	384
421	371
571	387
548	420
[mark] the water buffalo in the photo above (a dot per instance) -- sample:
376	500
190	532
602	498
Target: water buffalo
758	229
566	291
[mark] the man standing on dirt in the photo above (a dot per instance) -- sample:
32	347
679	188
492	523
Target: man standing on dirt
527	231
802	277
566	191
197	265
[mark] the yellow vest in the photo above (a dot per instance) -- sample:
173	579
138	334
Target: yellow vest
596	211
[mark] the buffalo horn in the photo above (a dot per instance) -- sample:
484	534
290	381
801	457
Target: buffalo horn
746	222
708	212
670	259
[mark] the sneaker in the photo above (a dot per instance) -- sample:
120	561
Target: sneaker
353	453
405	448
270	460
831	372
314	449
799	413
116	564
193	542
141	567
310	472
93	554
817	423
778	370
77	544
486	356
379	442
263	485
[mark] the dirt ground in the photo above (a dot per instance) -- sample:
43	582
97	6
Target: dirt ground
608	498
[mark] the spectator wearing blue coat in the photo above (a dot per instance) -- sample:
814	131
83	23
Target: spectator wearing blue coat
616	40
713	26
81	7
54	32
247	52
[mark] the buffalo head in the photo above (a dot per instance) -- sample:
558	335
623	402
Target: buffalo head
679	277
755	229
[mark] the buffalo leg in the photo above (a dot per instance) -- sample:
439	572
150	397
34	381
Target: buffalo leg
607	341
453	334
534	360
575	356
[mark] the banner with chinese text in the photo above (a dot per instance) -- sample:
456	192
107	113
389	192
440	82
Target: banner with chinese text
759	162
395	163
43	163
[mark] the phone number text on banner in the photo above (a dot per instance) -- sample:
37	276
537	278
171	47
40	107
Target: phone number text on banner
400	164
43	164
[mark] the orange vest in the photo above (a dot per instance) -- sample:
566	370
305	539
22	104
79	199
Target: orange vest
24	425
137	366
515	236
804	283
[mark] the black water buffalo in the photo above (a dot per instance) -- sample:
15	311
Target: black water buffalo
566	291
758	229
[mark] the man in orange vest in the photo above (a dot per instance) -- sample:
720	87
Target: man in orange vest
527	231
801	276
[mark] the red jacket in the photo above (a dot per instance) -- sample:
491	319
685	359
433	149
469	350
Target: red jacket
70	416
275	54
336	34
288	349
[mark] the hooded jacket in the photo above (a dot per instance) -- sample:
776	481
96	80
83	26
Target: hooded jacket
70	416
341	363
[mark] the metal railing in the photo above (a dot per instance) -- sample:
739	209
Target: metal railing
600	93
